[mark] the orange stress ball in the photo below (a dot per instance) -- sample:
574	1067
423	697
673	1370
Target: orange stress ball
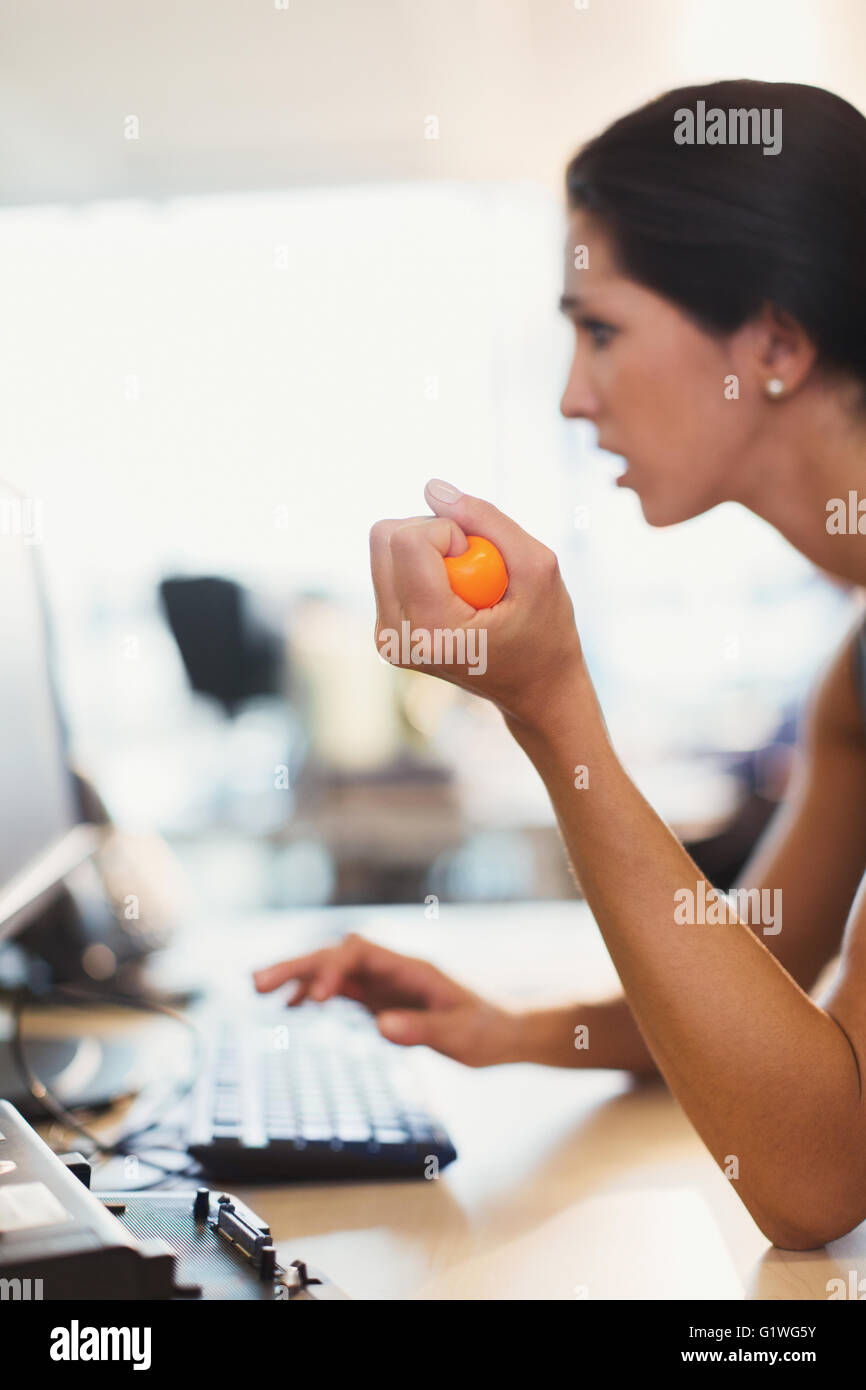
478	575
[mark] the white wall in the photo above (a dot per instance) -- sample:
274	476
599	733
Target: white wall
248	382
238	94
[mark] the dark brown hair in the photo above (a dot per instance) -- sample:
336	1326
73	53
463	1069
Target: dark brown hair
723	229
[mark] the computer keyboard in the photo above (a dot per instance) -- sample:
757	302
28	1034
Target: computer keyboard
312	1092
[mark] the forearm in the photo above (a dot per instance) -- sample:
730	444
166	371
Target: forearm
823	821
764	1074
602	1035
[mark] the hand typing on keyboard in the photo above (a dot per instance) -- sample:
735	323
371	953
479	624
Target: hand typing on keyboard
413	1001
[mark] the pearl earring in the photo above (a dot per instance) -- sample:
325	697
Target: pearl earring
775	386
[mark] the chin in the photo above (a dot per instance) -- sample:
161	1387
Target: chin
669	511
657	516
660	501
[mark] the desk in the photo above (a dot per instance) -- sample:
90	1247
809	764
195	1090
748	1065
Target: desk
568	1184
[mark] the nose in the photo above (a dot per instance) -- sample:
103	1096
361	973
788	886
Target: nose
579	401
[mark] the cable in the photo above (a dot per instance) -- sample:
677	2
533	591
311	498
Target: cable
179	1090
56	1110
167	1175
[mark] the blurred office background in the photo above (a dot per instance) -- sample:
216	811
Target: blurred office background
265	268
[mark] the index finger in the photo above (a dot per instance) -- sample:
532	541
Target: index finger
332	966
328	968
270	977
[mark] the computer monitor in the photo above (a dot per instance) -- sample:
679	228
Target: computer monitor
42	836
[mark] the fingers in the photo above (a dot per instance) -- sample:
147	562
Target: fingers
336	969
272	976
357	968
316	972
410	579
382	569
420	578
347	989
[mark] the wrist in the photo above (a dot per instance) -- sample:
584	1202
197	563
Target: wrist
556	709
544	1036
514	1037
518	1036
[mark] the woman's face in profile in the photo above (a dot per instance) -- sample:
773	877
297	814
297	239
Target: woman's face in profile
654	385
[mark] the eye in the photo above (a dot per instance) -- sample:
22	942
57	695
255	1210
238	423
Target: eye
601	332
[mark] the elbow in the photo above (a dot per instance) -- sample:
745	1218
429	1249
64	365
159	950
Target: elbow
792	1238
820	1198
790	1231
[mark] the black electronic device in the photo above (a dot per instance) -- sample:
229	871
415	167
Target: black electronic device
58	1240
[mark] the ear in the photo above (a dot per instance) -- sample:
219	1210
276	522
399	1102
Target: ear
783	349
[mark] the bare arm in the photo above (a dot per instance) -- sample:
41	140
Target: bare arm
814	852
764	1074
767	1076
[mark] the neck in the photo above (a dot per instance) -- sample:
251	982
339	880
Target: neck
815	453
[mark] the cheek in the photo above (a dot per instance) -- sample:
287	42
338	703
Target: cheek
679	433
674	397
655	407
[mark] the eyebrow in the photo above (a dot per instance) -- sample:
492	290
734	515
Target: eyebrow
569	302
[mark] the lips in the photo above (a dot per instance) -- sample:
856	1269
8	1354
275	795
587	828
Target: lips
608	448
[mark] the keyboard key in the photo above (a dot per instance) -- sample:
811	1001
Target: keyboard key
421	1133
313	1132
352	1133
390	1136
282	1131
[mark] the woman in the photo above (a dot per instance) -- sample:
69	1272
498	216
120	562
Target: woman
720	308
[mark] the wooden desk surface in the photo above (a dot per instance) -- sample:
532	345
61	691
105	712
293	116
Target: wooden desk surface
568	1184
